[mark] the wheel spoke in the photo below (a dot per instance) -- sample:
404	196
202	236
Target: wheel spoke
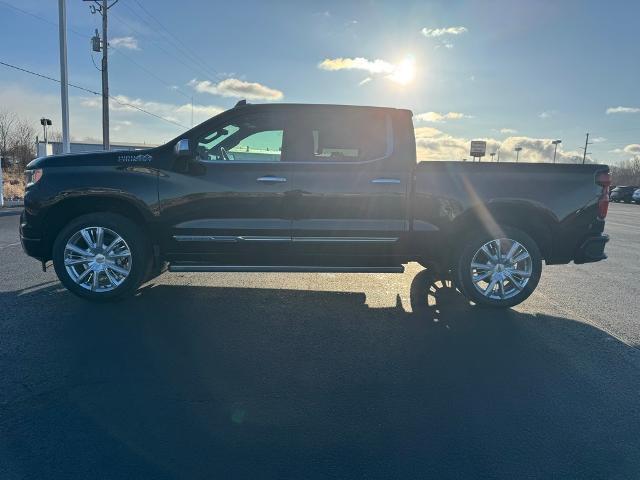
501	288
520	273
489	290
118	269
76	261
84	275
87	238
78	250
112	279
481	266
523	256
124	253
498	250
488	253
99	237
512	251
514	281
481	277
113	244
96	281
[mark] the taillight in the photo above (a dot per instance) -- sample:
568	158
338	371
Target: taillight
604	180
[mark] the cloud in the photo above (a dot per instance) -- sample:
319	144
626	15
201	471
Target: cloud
359	63
130	43
599	140
233	87
436	117
402	72
547	114
612	110
633	149
366	80
434	144
508	131
169	111
440	32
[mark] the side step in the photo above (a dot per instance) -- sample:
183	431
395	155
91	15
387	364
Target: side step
182	267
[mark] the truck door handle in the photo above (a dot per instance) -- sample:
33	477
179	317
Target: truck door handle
386	180
271	179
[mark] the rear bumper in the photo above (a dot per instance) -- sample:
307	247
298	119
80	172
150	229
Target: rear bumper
592	249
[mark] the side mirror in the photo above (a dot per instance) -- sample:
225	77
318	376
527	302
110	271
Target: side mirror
182	148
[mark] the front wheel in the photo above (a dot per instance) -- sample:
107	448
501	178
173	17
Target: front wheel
101	256
499	270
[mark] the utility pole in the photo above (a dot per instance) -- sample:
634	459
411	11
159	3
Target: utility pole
586	145
555	142
105	79
64	81
518	153
102	8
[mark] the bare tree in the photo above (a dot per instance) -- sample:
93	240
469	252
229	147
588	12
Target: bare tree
7	123
22	145
55	136
627	172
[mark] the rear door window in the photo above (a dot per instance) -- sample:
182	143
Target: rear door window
339	136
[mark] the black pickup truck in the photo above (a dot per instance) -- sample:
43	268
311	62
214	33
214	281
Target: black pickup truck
308	188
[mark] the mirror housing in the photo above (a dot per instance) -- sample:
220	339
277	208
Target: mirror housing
181	148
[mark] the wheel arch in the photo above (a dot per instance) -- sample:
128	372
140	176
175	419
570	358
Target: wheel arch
67	209
534	220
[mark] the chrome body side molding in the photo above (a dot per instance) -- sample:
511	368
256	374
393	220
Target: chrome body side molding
283	268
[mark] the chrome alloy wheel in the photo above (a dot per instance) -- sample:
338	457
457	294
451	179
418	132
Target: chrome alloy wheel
97	259
501	268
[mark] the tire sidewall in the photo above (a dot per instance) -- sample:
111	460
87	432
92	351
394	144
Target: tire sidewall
469	249
123	227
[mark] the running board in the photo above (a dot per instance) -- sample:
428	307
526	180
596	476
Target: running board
277	268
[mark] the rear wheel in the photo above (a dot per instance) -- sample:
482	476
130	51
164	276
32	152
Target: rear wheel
101	256
499	271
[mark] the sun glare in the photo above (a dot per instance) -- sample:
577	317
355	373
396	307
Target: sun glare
404	72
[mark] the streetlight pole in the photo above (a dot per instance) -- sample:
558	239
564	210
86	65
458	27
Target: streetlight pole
555	142
45	122
518	153
64	81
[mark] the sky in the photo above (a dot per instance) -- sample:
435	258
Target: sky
513	73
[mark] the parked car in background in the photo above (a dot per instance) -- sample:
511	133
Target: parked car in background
623	194
636	196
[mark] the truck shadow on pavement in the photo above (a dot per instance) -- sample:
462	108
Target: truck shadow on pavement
207	382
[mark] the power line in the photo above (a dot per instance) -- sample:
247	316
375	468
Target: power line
187	49
115	99
197	65
80	34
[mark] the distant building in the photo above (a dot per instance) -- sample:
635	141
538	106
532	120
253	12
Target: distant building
55	148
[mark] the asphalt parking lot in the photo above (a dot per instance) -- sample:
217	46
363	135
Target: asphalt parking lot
321	375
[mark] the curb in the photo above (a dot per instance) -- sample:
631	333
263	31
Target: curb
13	203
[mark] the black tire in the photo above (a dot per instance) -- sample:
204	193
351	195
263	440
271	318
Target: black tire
125	228
463	271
